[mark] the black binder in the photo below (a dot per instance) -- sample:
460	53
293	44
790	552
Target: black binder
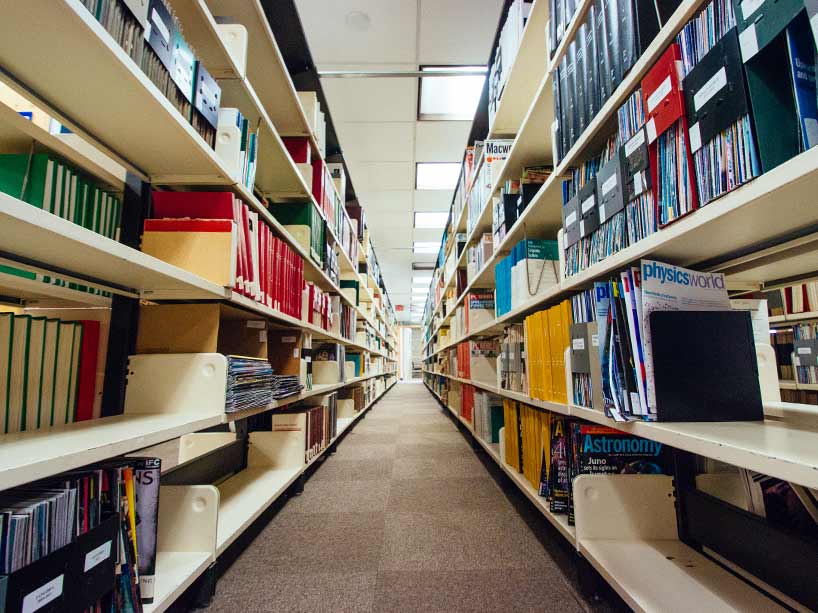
714	90
587	209
571	93
92	568
41	586
610	181
207	95
592	44
564	121
704	366
160	33
636	165
581	76
570	221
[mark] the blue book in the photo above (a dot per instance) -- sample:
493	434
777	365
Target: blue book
802	64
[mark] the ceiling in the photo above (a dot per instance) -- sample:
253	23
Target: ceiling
376	118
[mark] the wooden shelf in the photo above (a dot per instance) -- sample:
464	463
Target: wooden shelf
29	456
17	133
776	448
76	69
528	68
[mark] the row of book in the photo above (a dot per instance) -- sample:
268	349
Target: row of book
237	146
805	352
511	35
479	253
514	198
49	183
547	336
65	526
700	124
217	234
495	152
794	299
48	371
150	33
318	422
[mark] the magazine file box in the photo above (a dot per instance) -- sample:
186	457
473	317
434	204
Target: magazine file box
705	367
92	572
588	210
763	41
41	586
636	165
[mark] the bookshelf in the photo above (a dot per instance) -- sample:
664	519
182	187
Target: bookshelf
760	235
130	139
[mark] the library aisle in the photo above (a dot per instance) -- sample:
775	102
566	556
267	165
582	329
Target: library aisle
403	517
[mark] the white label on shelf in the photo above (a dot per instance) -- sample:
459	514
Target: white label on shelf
637	183
578	344
287	339
659	94
308	359
635	142
805	350
602	215
748	42
571	219
256	324
588	204
748	7
43	595
651	130
582	227
695	137
595	340
97	555
295	352
710	89
163	30
609	185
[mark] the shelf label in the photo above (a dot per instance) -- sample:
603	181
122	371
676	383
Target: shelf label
748	7
96	556
695	137
637	183
595	340
650	128
43	595
805	350
636	141
714	84
609	184
748	42
589	202
571	219
659	94
160	25
579	344
287	339
257	324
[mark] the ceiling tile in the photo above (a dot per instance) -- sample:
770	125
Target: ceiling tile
368	100
359	30
427	234
441	141
377	142
386	202
431	199
370	176
457	31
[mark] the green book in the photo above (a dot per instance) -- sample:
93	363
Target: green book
13	170
36	353
18	375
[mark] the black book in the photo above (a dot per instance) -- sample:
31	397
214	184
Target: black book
572	94
564	120
592	64
613	36
623	347
628	35
581	75
603	51
559	137
554	8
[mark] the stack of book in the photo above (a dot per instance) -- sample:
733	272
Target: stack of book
488	416
237	146
547	336
318	423
510	38
513	374
48	371
249	383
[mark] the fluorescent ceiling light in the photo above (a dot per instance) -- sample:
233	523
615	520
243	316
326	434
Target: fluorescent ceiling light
426	280
422	291
419	299
436	175
449	98
425	247
431	220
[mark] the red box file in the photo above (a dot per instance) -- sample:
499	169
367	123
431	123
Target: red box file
299	149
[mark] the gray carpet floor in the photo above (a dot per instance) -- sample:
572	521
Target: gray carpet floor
406	516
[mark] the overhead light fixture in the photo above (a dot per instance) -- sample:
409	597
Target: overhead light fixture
426	247
421	291
450	97
435	220
422	280
437	175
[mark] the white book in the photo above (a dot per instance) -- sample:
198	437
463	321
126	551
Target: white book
50	351
50	172
6	339
640	405
59	191
36	347
17	378
62	376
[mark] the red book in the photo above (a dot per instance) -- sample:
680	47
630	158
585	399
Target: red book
193	205
299	148
188	225
87	378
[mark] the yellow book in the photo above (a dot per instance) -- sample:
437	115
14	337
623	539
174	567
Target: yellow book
530	355
554	339
546	349
565	310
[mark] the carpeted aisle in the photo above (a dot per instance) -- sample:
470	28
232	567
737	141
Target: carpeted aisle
404	517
